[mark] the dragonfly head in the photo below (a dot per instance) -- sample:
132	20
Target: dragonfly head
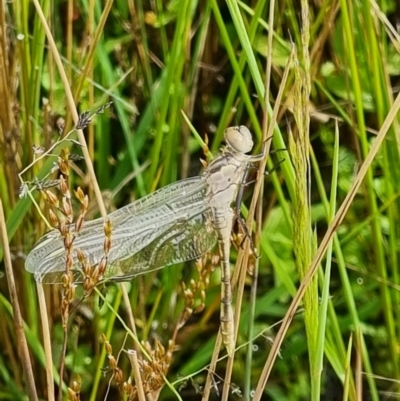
239	139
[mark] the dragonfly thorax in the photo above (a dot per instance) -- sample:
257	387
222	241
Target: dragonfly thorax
239	139
224	176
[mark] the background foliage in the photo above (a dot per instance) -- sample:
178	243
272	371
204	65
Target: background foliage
208	59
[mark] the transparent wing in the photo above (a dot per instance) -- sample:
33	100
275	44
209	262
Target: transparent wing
171	225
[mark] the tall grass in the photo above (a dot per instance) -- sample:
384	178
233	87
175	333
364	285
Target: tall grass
329	213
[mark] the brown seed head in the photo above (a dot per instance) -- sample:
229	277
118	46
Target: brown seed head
53	219
107	228
159	351
79	194
188	295
71	293
199	308
95	275
107	345
107	245
127	386
85	204
81	256
79	223
147	347
70	261
87	284
63	165
62	185
64	159
43	195
51	198
68	240
170	350
66	280
76	385
66	205
146	367
112	361
102	266
199	265
64	154
118	376
203	163
72	395
87	268
63	228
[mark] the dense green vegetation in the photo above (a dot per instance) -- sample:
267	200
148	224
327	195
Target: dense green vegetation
124	97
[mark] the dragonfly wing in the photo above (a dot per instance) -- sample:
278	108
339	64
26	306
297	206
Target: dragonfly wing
134	227
184	240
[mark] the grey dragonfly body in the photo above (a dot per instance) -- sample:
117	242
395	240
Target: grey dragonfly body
177	223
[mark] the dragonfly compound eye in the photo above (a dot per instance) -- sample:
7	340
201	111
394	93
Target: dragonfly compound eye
239	139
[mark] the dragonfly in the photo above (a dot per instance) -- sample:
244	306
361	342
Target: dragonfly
177	223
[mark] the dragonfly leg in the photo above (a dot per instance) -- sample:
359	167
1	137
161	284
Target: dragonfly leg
242	224
266	173
240	220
